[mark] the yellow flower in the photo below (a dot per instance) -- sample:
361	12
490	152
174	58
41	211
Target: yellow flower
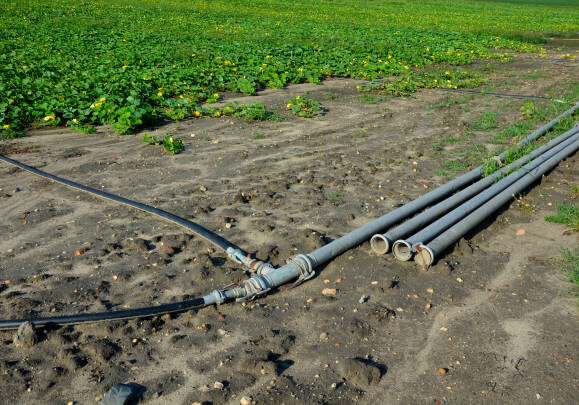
160	94
218	114
216	95
5	126
49	117
446	73
197	113
298	97
96	105
124	67
103	99
75	121
289	106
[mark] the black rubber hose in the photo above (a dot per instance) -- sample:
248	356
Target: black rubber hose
106	316
495	94
193	227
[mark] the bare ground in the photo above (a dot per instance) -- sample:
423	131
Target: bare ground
495	314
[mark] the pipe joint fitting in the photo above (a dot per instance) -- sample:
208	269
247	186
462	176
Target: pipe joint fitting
305	266
254	287
218	296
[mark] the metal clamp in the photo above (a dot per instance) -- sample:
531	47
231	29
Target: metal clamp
305	267
255	287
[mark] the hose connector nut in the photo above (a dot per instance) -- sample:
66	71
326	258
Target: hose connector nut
219	295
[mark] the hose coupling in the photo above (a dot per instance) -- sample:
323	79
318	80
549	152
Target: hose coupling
253	265
238	256
260	268
255	287
305	267
219	296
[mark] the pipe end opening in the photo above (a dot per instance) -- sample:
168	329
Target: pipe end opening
402	250
424	256
380	244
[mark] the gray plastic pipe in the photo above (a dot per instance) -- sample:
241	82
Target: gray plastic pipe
403	249
427	253
381	243
302	267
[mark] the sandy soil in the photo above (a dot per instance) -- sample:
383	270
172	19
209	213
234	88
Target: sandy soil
495	313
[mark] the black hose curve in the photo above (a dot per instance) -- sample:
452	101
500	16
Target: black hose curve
495	94
106	316
192	226
128	313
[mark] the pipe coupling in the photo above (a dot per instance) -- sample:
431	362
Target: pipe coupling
255	287
305	267
219	296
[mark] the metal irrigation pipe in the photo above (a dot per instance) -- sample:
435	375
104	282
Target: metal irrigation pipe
403	248
381	243
427	253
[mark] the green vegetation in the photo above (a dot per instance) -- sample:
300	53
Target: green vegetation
303	107
443	173
487	121
566	214
455	166
531	118
258	136
172	145
569	264
128	63
451	139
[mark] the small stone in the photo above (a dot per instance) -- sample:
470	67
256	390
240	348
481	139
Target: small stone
430	290
363	299
222	332
442	371
329	291
460	280
428	306
323	336
204	388
374	283
203	188
564	312
78	252
520	232
123	394
26	336
245	401
218	385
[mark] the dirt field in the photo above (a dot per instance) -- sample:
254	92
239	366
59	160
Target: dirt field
495	314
